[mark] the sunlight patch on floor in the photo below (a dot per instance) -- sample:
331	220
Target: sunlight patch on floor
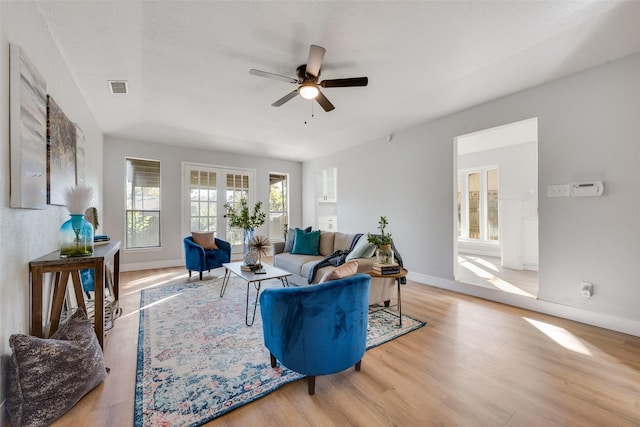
154	278
468	263
491	266
151	305
508	287
561	336
474	269
151	282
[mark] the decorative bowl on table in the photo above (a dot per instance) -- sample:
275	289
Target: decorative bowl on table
251	258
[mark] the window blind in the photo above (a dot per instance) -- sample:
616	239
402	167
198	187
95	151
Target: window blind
143	173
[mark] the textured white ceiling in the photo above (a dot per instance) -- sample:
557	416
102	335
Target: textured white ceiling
187	63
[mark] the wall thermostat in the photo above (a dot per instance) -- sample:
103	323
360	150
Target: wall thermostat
586	189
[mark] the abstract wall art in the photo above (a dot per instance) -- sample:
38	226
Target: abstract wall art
61	153
81	173
28	132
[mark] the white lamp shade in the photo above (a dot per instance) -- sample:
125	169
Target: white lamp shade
308	91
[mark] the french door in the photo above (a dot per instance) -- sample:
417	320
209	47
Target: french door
206	189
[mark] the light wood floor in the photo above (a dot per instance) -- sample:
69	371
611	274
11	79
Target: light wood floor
476	363
488	272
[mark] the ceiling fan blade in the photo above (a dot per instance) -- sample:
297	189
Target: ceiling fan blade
287	97
273	76
324	102
316	55
354	81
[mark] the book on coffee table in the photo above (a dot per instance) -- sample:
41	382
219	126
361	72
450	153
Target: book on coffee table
254	267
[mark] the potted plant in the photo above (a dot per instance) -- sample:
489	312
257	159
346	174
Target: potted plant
382	241
245	220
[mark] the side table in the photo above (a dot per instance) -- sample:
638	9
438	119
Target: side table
397	276
63	267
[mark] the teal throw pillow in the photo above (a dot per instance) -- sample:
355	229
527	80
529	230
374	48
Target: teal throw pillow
363	249
291	237
306	243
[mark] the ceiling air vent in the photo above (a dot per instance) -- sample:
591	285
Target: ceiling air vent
118	86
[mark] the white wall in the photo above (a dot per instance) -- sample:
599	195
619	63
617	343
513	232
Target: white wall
29	234
588	130
171	158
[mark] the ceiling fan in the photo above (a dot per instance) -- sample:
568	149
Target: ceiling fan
308	75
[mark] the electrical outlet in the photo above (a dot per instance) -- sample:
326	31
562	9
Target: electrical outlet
586	289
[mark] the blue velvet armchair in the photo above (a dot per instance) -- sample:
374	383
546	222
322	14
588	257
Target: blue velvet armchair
199	259
319	329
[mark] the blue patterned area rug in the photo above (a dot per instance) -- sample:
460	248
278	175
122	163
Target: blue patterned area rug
197	360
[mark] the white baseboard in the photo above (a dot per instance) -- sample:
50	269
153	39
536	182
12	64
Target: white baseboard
136	266
607	321
470	248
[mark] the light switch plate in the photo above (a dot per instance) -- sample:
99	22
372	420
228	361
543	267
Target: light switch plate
562	190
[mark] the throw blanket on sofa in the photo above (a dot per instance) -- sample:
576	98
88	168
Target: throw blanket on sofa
338	258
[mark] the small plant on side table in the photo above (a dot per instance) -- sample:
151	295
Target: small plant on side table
382	241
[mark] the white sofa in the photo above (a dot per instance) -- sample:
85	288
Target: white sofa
382	290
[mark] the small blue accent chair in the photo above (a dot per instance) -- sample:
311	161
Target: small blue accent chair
199	259
318	329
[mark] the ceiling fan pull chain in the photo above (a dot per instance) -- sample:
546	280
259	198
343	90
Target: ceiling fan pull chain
312	115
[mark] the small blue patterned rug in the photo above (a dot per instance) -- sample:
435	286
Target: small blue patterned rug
197	360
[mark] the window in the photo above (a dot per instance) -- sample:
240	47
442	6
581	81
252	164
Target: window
478	204
474	205
492	204
278	205
143	204
459	198
237	189
206	189
203	200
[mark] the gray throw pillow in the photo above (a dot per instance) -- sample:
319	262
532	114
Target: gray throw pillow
291	238
48	376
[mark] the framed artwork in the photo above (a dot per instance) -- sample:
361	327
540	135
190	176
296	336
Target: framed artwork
28	131
61	153
81	174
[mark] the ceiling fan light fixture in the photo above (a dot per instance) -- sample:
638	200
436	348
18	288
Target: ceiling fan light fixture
308	91
307	80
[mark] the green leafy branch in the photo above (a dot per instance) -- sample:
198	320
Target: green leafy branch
382	238
243	218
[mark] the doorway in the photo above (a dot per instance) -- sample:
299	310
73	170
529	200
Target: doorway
206	189
496	205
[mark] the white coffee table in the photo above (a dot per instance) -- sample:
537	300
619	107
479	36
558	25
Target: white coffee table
256	279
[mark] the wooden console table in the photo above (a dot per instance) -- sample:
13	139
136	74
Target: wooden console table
63	267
